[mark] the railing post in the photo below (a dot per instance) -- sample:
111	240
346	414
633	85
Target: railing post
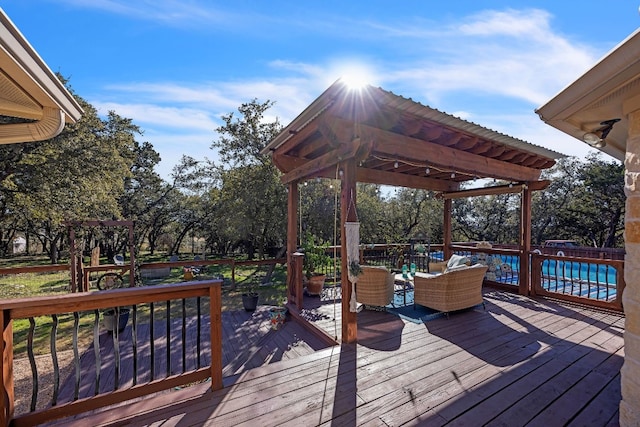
6	368
620	285
536	272
233	274
294	288
215	313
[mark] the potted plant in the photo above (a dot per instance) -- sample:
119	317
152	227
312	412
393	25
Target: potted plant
315	258
250	300
277	316
109	319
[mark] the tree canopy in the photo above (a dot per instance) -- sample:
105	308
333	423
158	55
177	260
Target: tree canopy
97	169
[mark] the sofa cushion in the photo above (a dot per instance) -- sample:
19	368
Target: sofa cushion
457	261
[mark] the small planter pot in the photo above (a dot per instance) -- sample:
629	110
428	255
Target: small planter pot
277	316
250	302
109	319
315	284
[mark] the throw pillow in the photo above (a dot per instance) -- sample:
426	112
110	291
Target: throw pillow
457	261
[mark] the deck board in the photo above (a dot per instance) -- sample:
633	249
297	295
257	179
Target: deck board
519	362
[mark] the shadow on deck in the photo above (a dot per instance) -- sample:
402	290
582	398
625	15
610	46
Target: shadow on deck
248	342
520	361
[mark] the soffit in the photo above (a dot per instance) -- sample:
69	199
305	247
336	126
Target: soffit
598	95
27	86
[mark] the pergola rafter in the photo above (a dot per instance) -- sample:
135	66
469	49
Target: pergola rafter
375	136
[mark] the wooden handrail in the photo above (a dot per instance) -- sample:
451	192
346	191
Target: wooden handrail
80	302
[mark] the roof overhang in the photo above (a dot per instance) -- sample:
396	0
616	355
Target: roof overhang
397	141
30	93
609	90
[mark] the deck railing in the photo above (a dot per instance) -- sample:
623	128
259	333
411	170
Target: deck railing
592	281
597	282
174	338
503	263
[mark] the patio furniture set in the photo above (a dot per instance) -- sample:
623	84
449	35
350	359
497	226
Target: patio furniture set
457	285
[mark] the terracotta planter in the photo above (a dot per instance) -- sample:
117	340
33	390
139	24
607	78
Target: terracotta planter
315	284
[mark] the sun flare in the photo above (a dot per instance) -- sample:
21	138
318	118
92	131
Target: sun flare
356	76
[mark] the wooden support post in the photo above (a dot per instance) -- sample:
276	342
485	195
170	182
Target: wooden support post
447	229
6	368
525	240
295	287
132	258
73	260
294	293
347	198
215	313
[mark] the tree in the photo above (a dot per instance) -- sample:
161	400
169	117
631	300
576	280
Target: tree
77	175
251	195
595	214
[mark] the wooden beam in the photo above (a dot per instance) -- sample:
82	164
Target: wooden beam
419	151
298	137
375	176
499	189
312	167
286	163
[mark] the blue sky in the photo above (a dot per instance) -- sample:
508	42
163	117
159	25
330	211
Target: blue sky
175	66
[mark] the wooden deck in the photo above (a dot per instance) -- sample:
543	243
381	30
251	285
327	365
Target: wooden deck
519	362
248	342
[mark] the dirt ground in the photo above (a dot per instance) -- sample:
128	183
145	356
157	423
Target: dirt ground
23	384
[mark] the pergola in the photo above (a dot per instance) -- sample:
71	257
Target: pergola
374	136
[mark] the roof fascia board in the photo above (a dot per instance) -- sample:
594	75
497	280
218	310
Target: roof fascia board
34	72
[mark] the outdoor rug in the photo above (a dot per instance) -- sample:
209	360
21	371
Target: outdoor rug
418	315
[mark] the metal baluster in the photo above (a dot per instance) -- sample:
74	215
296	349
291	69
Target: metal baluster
168	338
32	362
184	335
199	324
54	360
116	349
76	354
152	340
96	348
134	342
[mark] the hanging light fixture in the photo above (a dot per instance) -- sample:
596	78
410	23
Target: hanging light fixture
396	164
427	170
596	138
453	175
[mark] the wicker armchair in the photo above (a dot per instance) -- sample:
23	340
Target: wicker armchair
374	286
454	290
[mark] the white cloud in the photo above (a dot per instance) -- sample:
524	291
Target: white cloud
174	13
512	53
161	117
504	57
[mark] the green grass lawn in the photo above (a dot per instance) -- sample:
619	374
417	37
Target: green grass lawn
33	285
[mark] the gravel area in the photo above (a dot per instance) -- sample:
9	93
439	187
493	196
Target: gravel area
23	384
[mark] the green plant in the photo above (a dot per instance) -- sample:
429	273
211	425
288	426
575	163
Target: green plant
315	255
354	268
250	291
